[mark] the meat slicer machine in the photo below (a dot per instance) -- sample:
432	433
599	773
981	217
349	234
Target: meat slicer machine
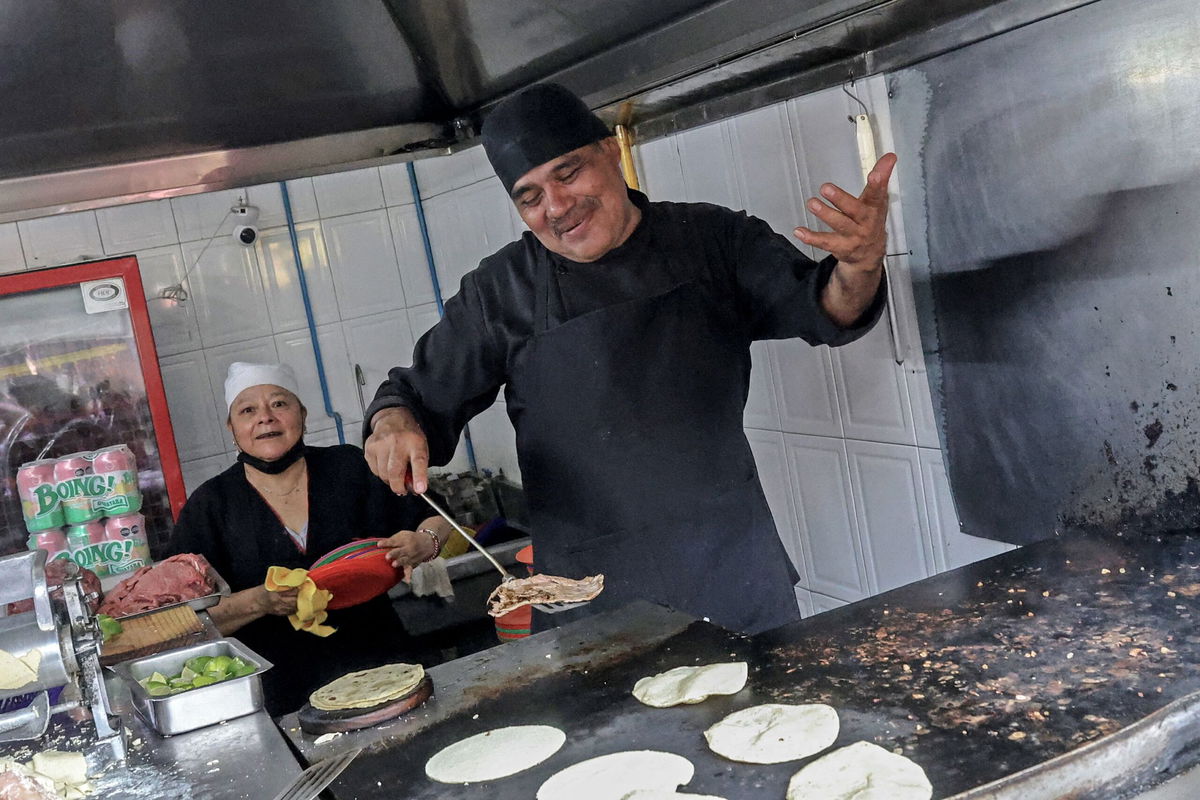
67	634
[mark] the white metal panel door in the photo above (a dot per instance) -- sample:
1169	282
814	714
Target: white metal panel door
825	516
890	505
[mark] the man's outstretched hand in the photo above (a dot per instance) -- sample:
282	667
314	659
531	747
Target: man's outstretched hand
857	238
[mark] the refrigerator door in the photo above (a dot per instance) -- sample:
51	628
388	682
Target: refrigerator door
78	371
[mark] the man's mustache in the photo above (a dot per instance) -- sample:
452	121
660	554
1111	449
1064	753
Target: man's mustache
581	209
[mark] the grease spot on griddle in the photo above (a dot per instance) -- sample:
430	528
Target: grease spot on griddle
1153	431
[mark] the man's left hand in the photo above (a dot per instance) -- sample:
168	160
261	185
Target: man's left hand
858	235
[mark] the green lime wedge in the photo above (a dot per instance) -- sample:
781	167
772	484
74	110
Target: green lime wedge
198	663
219	664
204	680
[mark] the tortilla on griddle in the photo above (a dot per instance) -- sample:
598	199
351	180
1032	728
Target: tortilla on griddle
663	794
495	754
862	771
368	688
617	775
774	733
685	685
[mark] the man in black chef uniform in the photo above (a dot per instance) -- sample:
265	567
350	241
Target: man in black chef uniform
620	330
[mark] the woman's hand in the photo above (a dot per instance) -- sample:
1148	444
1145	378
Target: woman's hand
279	604
409	548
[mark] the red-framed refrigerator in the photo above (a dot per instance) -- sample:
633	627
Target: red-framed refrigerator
79	372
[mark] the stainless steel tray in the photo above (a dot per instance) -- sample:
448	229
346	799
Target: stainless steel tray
221	589
200	707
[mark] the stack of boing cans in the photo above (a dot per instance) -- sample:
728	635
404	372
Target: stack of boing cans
85	507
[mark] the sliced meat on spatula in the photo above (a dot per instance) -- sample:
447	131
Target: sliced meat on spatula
542	589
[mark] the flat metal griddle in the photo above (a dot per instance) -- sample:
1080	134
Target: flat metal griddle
1044	653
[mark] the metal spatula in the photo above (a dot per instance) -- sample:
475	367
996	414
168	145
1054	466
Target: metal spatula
312	781
549	608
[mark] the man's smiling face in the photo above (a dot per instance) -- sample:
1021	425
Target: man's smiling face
576	205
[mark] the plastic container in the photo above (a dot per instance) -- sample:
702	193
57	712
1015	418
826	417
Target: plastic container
518	623
200	707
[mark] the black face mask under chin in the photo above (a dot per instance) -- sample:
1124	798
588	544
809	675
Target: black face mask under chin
278	465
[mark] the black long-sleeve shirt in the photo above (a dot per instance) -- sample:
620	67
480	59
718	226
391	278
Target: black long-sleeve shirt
460	365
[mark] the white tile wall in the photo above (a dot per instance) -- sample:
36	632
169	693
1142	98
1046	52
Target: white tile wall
465	226
495	441
829	538
281	282
363	260
873	396
804	600
821	602
225	286
296	348
396	186
173	323
440	175
770	456
268	198
951	547
890	509
348	192
199	432
139	226
377	343
64	239
807	391
199	216
12	257
410	254
197	471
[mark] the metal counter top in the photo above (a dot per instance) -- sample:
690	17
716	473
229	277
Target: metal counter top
1069	665
241	759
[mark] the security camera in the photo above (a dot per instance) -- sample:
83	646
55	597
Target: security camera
244	231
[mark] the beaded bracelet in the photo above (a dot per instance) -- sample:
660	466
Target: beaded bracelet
437	543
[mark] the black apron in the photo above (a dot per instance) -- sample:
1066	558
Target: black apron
634	461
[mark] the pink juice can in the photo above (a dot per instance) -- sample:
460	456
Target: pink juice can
127	545
116	465
88	547
40	504
77	487
54	542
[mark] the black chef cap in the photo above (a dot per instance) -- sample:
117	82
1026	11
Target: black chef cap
534	126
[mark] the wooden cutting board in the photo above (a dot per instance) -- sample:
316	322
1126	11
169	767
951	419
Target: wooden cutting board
152	633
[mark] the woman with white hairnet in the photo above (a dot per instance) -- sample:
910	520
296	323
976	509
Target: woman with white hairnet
287	504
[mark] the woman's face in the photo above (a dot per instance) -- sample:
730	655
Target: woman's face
266	421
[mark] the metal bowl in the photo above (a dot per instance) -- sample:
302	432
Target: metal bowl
204	705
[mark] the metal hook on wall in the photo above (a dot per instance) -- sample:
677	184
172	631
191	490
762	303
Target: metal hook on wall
854	97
